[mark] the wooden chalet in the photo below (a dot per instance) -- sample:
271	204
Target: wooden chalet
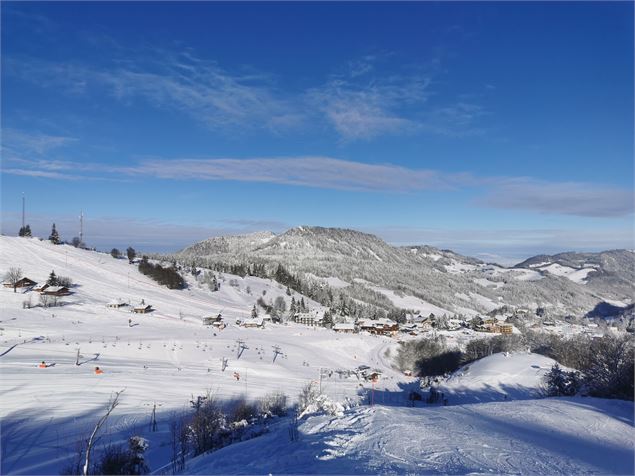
56	291
387	327
22	283
116	304
380	326
254	322
142	308
40	287
212	320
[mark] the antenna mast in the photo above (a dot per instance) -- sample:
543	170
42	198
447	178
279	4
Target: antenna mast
22	209
81	227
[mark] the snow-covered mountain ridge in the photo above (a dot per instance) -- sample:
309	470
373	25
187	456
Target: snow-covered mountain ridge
569	283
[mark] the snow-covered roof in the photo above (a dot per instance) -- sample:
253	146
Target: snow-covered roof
256	321
55	289
344	326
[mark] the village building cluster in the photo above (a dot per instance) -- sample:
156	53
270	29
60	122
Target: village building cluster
46	289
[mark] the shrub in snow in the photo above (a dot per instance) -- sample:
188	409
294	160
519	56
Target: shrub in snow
610	373
311	401
117	459
429	357
241	410
64	281
273	404
562	383
207	428
479	348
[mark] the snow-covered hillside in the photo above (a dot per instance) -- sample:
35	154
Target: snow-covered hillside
429	278
550	436
495	422
503	376
165	357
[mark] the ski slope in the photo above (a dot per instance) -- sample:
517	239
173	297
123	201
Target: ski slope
165	357
549	436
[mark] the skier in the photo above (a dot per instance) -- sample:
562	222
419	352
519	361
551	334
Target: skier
43	365
98	371
129	322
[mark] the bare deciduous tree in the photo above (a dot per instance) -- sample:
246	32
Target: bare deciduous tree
13	276
112	404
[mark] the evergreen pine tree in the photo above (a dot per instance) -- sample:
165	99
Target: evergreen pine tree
54	237
327	321
52	281
131	254
254	312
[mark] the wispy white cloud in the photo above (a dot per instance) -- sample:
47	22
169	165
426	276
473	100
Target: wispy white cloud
14	141
518	193
456	120
566	198
196	87
42	174
320	172
361	66
359	105
364	111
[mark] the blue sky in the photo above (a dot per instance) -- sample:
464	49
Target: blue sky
500	130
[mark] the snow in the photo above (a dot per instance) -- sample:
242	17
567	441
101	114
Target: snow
166	356
515	375
526	275
412	302
519	274
488	284
332	281
373	254
549	436
432	256
575	275
483	301
457	267
538	265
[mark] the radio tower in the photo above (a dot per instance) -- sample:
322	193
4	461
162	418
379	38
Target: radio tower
81	227
22	210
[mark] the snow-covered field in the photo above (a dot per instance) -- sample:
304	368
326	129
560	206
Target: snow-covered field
168	356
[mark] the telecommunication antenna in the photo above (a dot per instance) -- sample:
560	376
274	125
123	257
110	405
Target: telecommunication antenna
81	227
22	209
